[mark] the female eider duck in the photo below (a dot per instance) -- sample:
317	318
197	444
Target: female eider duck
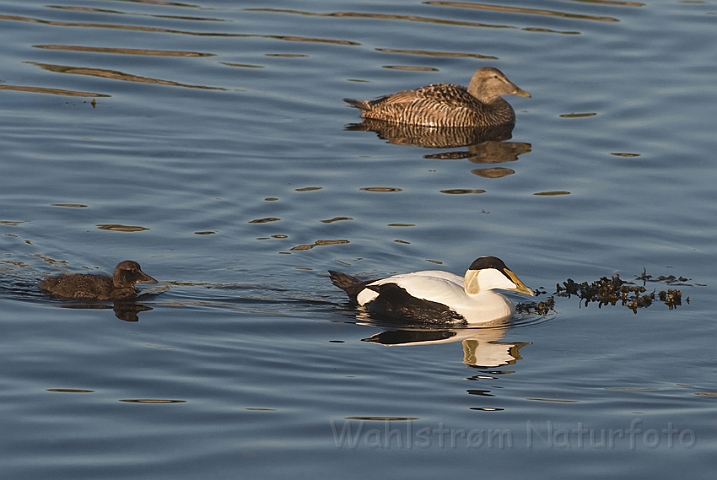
100	287
435	296
448	105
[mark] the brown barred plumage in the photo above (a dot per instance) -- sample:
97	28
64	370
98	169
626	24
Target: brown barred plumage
448	105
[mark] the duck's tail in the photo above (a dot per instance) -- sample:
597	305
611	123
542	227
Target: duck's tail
343	280
362	105
351	285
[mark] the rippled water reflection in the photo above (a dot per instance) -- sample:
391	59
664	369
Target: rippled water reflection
208	141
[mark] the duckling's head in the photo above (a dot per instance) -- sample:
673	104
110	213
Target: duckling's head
489	83
128	273
488	273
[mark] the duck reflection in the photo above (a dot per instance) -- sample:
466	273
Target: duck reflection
485	144
481	346
432	137
125	310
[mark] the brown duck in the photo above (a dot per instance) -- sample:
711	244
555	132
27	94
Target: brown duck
448	105
100	287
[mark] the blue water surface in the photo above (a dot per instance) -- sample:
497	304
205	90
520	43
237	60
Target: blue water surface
208	141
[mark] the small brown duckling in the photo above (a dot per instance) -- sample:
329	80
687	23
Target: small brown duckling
448	105
100	287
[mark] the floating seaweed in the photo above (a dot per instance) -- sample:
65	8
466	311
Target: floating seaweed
540	308
672	298
670	279
610	291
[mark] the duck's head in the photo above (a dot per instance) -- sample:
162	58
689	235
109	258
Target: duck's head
488	273
489	83
128	273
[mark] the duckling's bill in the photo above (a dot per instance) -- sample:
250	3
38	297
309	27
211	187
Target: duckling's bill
144	278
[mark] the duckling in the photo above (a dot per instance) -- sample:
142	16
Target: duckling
100	287
448	105
438	297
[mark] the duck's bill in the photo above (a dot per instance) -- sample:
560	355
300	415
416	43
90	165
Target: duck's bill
144	278
521	93
519	285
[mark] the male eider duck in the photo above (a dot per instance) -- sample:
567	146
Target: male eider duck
100	287
438	297
448	105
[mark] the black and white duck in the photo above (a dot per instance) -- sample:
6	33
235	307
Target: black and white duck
435	296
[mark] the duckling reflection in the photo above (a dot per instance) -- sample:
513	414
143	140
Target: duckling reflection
125	310
481	346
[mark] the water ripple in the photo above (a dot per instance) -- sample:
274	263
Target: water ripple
289	38
52	91
382	16
117	12
528	11
116	75
125	51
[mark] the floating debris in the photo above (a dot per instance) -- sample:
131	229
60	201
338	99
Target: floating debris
672	298
541	308
610	291
670	279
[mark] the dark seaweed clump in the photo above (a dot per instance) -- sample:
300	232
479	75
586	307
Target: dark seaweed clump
541	308
611	291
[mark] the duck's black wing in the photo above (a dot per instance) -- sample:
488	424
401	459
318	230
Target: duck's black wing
394	301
